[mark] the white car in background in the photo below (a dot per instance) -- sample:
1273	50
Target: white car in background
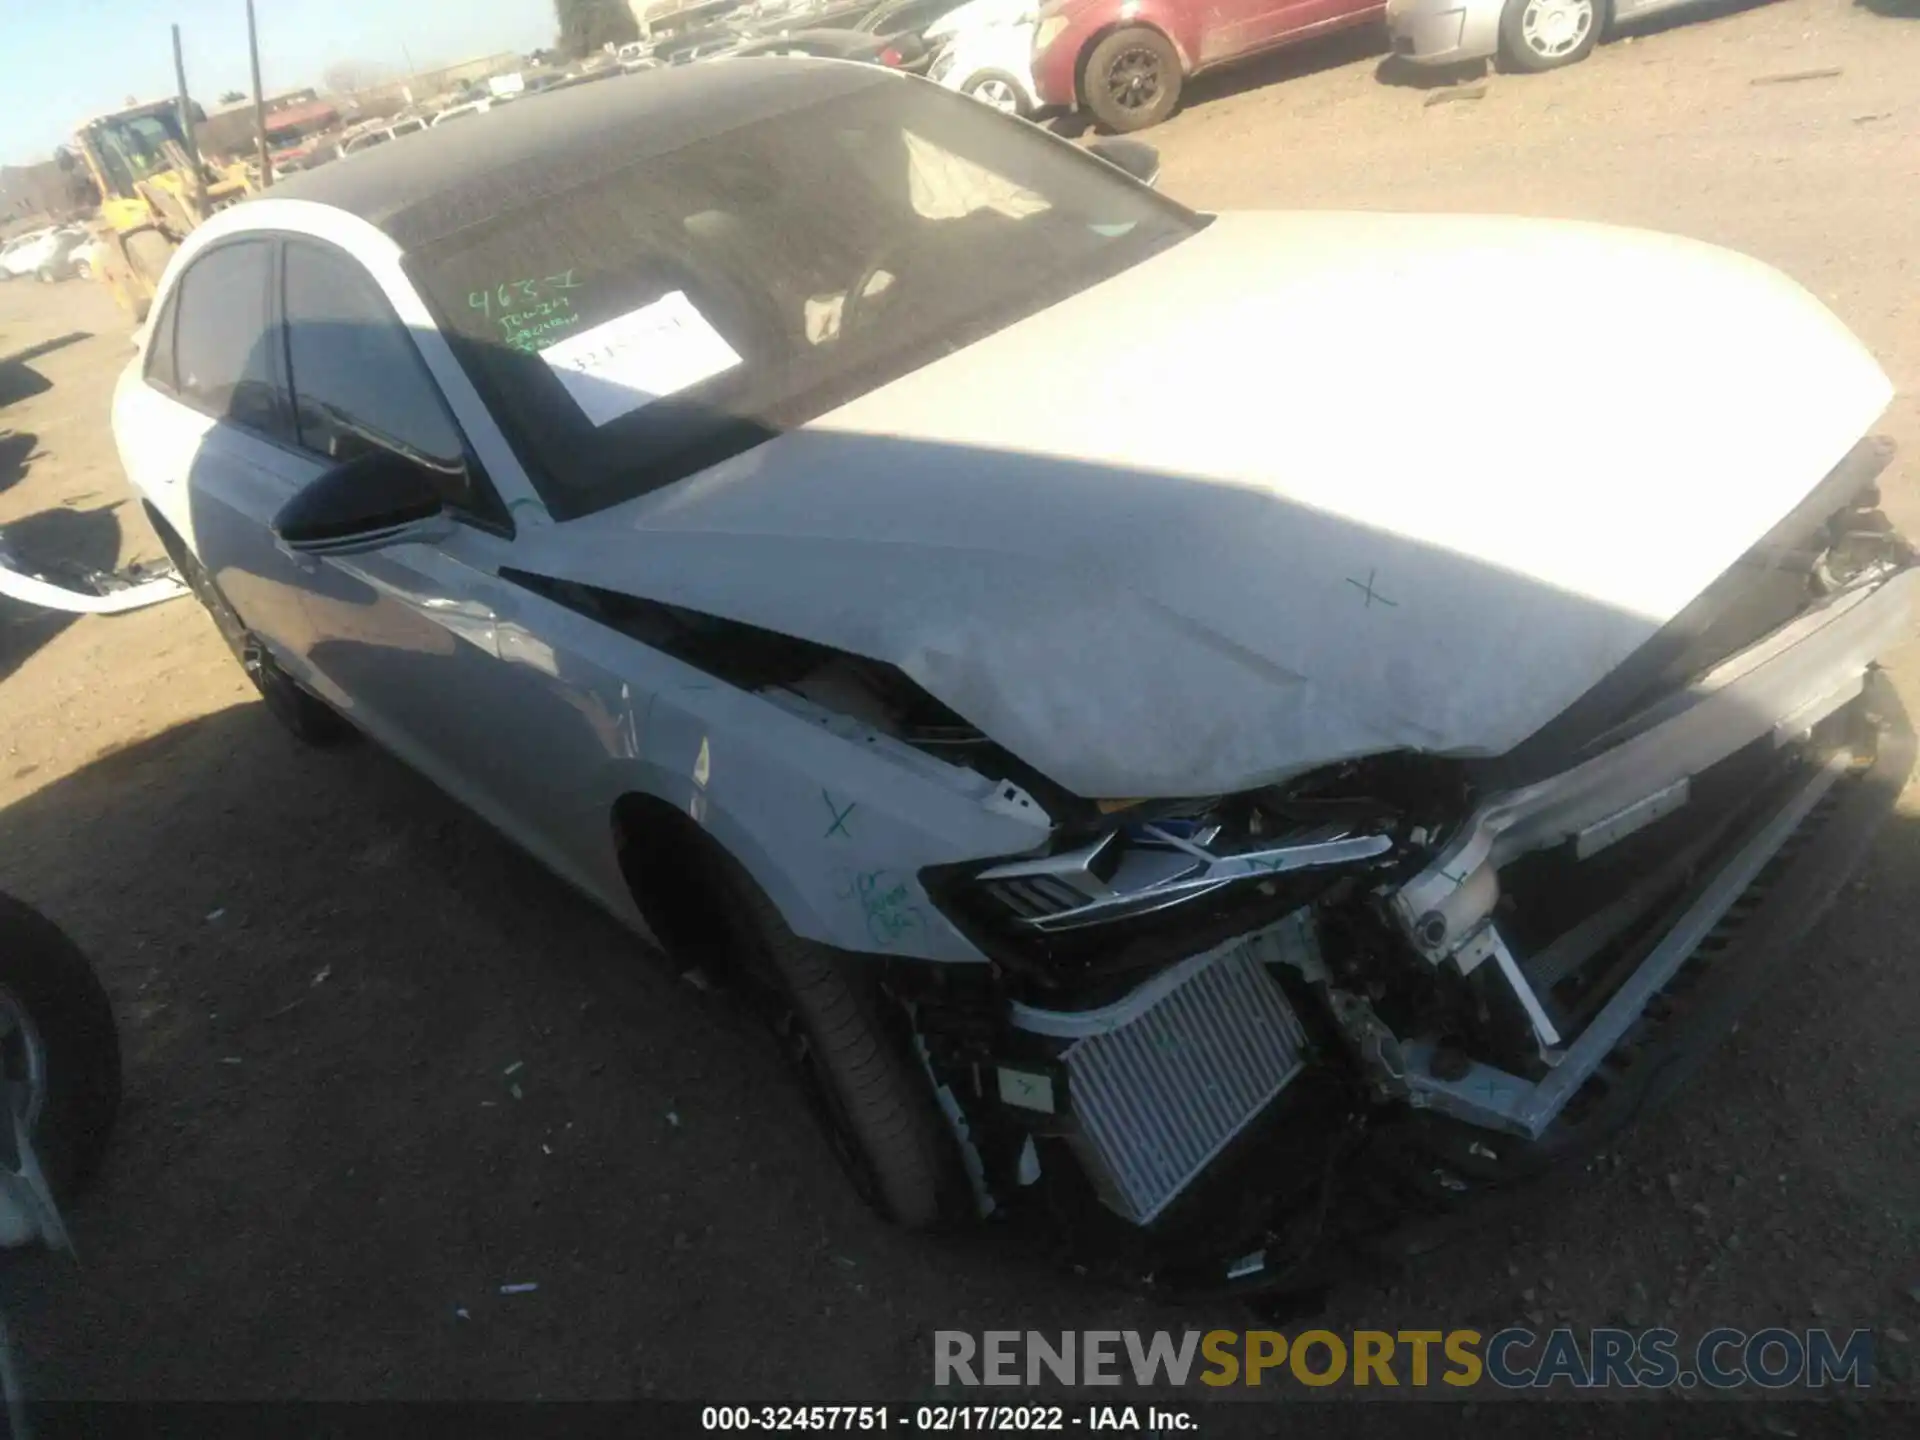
988	54
471	107
380	134
46	253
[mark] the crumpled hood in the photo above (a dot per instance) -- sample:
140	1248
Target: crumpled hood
1300	489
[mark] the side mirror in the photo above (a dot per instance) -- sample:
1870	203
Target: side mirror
1136	157
377	500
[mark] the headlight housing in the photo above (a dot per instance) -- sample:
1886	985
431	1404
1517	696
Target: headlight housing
1047	31
1164	881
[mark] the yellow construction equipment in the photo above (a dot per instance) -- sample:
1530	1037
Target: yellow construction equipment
154	191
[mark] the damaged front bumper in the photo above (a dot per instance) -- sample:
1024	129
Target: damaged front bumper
1814	675
1718	824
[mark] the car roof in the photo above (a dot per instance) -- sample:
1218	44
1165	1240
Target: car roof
453	177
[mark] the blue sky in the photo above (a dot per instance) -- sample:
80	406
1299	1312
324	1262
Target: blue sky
69	59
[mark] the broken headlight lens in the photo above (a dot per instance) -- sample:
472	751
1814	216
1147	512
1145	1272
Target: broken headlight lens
1166	881
1149	865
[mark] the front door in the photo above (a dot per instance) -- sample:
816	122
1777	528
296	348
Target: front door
418	642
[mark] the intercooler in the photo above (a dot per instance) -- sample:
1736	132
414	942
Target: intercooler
1160	1082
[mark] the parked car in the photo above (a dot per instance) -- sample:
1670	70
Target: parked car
1525	34
832	45
46	254
12	265
848	539
469	108
1125	61
379	134
905	23
985	49
85	258
700	44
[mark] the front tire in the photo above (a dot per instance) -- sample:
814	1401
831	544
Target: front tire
1537	35
1132	80
59	1045
308	718
838	1032
998	91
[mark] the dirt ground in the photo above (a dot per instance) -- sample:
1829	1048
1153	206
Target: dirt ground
325	1172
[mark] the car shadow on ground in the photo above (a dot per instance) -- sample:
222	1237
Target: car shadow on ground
1330	52
45	347
20	381
374	1050
1403	74
16	453
56	543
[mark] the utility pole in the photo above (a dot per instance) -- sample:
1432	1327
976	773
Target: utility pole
259	100
187	132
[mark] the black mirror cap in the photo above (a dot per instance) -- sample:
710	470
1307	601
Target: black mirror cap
378	491
1136	157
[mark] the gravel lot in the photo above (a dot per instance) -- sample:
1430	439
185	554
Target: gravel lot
323	969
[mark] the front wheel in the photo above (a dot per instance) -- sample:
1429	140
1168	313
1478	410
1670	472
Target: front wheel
838	1032
997	90
1132	79
1540	35
59	1048
309	718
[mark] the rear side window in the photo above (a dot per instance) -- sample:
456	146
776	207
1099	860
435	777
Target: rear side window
359	384
223	351
160	369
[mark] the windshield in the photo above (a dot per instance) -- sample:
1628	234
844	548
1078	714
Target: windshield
132	148
634	330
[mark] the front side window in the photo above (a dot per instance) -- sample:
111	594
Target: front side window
631	330
223	339
358	383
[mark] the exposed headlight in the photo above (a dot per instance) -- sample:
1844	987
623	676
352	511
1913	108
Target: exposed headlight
1166	880
1047	31
1150	866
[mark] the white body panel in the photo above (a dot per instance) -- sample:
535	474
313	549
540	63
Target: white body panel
1228	516
1282	495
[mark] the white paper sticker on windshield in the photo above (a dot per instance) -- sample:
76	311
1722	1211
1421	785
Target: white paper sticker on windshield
634	359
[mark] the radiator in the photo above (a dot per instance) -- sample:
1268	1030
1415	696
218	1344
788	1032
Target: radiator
1162	1080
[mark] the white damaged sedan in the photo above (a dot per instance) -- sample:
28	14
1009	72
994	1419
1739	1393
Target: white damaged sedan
1164	750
